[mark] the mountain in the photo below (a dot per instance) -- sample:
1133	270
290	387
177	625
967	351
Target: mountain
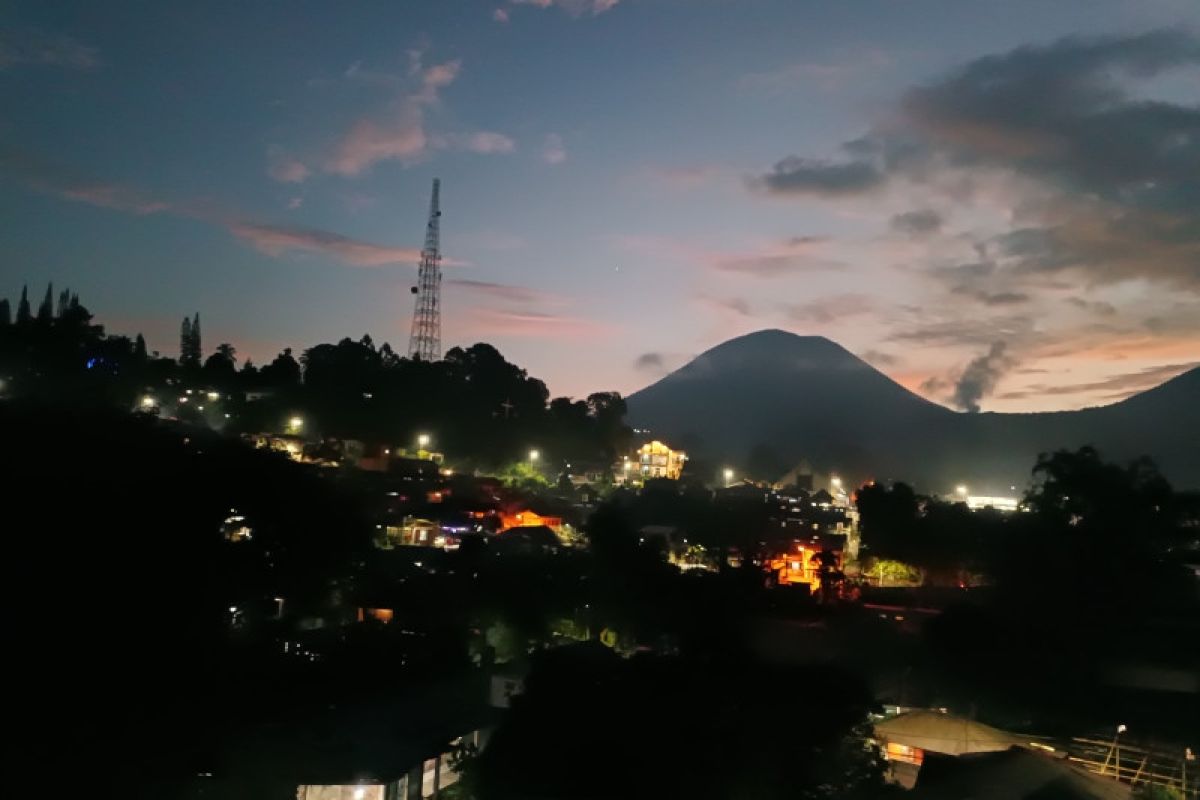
773	396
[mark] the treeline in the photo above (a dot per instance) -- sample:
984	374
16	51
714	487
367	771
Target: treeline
473	403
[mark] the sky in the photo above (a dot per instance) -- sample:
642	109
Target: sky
996	204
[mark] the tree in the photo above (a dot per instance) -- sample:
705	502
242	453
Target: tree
5	313
221	366
46	310
655	727
23	315
185	342
283	372
139	348
197	352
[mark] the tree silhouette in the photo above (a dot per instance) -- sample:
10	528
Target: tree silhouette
23	315
5	313
46	310
283	372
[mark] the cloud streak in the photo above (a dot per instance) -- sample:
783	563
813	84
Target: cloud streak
29	47
501	291
278	240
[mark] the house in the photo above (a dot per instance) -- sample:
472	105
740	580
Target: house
527	518
400	750
1015	773
907	738
652	460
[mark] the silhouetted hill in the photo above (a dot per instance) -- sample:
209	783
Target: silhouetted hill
805	397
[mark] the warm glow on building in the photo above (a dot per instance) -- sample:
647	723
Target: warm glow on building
656	460
529	519
976	502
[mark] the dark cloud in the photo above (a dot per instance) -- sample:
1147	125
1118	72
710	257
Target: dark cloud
934	385
649	361
795	175
977	332
1118	175
992	298
980	377
917	223
829	309
1098	307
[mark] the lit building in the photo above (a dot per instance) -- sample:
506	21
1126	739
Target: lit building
977	502
656	460
529	519
418	532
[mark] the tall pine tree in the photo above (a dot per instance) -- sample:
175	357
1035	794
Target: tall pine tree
46	309
185	342
197	351
139	348
23	315
5	313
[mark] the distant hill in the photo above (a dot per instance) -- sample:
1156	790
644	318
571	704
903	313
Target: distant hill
807	398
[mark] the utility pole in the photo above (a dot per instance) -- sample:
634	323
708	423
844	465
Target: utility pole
425	342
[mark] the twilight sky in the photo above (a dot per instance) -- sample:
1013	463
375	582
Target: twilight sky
997	204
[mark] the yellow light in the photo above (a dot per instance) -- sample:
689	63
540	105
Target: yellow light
148	402
213	396
296	423
423	440
837	482
961	489
534	455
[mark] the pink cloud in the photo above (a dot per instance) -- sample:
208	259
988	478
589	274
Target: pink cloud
277	240
116	197
501	291
487	321
575	8
400	136
500	15
798	254
403	135
488	142
288	170
368	142
554	151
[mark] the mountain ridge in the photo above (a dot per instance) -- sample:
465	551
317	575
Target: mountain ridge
809	398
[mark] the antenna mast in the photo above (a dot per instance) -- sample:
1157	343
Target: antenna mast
425	342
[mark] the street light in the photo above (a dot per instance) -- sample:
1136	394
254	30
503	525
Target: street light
728	477
423	441
295	424
148	402
836	481
961	490
533	456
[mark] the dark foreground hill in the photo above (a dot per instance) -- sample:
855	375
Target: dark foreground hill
807	398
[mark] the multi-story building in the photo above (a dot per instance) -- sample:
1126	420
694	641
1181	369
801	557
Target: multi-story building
656	460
